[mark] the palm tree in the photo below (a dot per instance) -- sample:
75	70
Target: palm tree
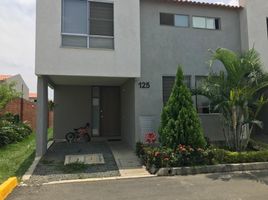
236	92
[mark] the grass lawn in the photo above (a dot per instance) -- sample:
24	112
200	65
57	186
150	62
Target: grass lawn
16	158
50	134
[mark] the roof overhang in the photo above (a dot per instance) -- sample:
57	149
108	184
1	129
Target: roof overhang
201	3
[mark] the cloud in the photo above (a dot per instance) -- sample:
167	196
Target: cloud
17	41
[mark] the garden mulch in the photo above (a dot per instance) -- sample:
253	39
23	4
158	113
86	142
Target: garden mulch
51	166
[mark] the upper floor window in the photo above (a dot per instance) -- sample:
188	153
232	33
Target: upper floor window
88	24
206	23
174	20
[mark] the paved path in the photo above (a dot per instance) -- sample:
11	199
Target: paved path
128	163
236	186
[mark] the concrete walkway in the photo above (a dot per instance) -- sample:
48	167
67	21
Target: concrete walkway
128	163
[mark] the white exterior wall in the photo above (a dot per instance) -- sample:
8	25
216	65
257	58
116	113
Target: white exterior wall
123	61
254	27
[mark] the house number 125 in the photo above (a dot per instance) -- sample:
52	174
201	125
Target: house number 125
145	85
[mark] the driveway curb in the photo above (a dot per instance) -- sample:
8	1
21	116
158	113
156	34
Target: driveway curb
212	169
31	169
7	187
97	179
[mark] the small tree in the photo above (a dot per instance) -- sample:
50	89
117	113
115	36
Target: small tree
180	123
7	93
236	92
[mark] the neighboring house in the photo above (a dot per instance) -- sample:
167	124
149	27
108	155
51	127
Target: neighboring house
33	97
20	85
113	62
20	106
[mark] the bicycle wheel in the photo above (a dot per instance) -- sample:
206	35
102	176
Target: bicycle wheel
70	137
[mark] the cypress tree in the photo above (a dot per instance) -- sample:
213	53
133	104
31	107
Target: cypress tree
180	123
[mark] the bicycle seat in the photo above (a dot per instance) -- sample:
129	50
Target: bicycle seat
76	129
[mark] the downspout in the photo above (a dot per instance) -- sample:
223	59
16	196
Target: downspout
21	104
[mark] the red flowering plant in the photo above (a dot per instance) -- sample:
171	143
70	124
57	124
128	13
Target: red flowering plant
188	156
150	138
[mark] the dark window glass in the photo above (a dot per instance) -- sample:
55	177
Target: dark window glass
217	24
166	19
267	25
101	19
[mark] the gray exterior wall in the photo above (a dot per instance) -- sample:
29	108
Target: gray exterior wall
72	108
254	34
164	47
128	112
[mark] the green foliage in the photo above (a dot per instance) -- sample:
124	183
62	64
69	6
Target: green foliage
245	157
74	167
180	123
7	93
158	157
255	145
236	93
16	158
12	130
51	105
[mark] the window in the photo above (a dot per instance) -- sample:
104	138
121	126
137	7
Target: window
181	20
267	25
168	82
202	102
87	24
206	23
174	20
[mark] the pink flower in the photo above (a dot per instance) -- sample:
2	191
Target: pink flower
150	137
156	154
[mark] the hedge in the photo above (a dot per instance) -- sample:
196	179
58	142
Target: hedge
159	157
12	130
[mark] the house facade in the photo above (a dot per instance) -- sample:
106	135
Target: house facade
112	62
19	84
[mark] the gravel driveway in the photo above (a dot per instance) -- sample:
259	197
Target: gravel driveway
51	167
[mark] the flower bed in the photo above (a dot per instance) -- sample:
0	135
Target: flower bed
155	157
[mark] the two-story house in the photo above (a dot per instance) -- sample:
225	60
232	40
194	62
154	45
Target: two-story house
112	62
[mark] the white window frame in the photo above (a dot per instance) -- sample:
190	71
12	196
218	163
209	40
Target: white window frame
206	18
88	28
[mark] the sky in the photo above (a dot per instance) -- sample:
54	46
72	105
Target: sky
17	38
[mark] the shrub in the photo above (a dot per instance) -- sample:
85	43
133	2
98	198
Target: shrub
11	130
180	123
158	157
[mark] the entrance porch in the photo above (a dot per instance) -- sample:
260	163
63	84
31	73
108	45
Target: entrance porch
106	103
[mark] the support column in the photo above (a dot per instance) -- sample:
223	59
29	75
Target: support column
42	113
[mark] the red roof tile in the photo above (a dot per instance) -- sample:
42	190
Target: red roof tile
4	77
32	95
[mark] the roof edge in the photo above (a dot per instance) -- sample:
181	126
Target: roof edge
198	3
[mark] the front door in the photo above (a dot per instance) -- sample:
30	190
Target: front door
110	111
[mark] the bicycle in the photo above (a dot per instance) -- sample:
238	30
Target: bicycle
79	134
